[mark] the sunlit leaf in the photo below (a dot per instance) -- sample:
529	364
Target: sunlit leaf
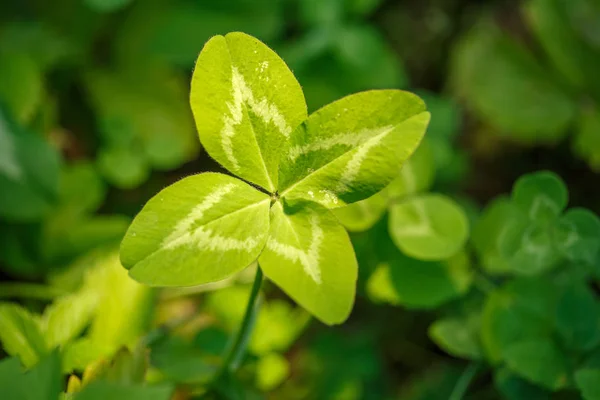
351	149
271	370
309	255
246	103
201	229
20	334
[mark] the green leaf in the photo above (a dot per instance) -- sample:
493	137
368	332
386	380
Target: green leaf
123	167
457	337
28	175
539	361
310	256
515	388
271	370
588	381
542	195
580	241
572	57
416	174
20	334
341	153
246	103
21	85
522	310
201	229
81	189
586	141
67	317
428	227
522	99
439	282
101	390
362	215
578	317
41	383
488	230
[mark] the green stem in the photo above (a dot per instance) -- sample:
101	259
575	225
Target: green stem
460	389
236	352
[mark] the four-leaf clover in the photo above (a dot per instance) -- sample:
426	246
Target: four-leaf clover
251	117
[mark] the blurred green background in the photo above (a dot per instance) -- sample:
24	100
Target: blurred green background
95	119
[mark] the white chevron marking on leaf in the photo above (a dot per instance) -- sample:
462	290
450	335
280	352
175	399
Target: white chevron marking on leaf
242	94
346	139
182	229
308	259
353	166
206	239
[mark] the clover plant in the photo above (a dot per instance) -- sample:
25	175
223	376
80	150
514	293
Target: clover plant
291	170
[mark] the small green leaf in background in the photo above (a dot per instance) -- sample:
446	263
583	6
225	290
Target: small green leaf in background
457	337
522	310
21	85
21	335
101	390
362	215
588	381
581	236
428	227
341	153
514	387
416	174
309	255
522	99
201	229
271	370
539	361
578	317
586	142
123	167
543	195
43	382
28	175
439	281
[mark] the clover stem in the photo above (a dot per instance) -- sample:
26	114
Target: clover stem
460	389
236	352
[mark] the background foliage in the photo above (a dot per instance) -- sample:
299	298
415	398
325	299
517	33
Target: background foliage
478	267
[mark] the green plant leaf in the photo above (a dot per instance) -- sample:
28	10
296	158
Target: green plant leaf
522	99
588	381
522	310
246	103
514	387
101	390
122	167
201	229
21	85
394	281
542	195
580	239
362	215
428	227
271	370
43	382
572	57
491	226
66	317
457	337
586	141
539	361
20	334
309	255
341	154
578	317
416	174
28	175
